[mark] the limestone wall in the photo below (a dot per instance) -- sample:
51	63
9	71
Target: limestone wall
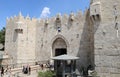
76	34
10	45
47	35
20	39
31	40
106	39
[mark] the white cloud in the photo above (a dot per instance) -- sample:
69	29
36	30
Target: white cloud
45	12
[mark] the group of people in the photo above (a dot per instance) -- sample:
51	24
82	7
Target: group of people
26	69
7	71
46	65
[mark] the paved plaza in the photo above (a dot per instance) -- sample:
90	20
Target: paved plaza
17	72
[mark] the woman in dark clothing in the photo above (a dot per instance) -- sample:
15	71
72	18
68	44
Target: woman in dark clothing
2	72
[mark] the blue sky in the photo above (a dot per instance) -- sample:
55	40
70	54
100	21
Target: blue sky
39	8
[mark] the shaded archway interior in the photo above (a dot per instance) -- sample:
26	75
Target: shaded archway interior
59	47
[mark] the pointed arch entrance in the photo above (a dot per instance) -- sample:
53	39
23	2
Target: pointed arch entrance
59	47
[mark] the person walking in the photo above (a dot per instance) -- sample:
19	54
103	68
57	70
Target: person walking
29	68
2	72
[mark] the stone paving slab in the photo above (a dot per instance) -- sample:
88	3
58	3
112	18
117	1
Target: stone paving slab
33	74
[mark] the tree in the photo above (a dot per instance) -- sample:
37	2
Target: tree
2	37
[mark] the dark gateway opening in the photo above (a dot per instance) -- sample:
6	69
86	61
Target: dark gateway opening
60	51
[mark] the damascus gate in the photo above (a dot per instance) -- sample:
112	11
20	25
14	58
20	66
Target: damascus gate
93	36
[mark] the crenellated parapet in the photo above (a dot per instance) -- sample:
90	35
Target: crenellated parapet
58	20
63	19
20	17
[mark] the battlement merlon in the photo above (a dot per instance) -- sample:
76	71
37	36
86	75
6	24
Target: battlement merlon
95	8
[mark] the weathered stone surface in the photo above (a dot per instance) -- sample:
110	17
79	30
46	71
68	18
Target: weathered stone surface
93	36
106	39
32	40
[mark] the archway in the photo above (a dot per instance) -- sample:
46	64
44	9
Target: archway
59	47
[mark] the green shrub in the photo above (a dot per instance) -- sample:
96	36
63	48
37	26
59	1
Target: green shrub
46	74
41	74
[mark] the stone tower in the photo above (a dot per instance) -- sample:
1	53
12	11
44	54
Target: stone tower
20	39
105	16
